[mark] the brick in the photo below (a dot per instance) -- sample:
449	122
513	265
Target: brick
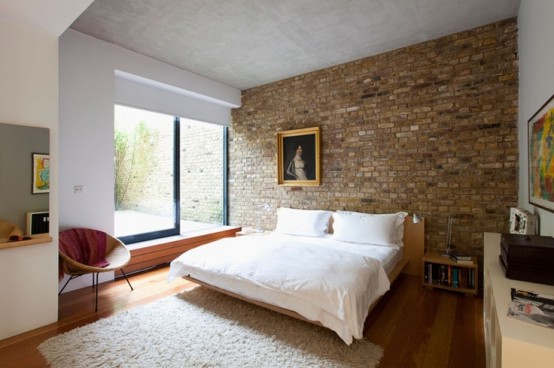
428	128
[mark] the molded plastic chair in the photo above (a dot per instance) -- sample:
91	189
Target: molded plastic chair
83	251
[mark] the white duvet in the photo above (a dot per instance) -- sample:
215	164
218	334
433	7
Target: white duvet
324	280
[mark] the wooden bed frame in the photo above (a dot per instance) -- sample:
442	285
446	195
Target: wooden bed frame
414	243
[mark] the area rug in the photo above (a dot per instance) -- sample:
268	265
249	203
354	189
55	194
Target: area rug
204	328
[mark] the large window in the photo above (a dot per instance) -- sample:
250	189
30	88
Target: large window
169	175
202	183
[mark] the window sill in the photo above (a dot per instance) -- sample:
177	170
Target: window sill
152	253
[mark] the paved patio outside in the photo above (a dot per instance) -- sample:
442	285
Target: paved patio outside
133	222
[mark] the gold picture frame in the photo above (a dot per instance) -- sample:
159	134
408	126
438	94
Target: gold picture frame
298	157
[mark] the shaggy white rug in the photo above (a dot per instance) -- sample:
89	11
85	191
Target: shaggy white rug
203	328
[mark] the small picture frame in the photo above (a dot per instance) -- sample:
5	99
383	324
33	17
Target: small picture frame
522	222
298	157
41	173
541	156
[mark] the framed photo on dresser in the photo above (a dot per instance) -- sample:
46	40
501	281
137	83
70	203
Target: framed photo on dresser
298	157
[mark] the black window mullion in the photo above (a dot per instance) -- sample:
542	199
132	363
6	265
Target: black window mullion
177	173
225	176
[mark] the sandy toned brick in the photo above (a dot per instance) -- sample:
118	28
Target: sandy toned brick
429	128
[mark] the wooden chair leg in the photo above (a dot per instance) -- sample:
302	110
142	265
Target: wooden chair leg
96	303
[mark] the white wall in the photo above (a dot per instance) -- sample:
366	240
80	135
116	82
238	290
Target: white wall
87	95
86	133
29	96
536	86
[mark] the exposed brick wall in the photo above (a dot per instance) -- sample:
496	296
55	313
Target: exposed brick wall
201	173
429	128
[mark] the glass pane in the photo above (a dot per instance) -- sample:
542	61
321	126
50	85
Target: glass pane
201	175
144	155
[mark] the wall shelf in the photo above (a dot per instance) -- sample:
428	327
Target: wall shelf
35	239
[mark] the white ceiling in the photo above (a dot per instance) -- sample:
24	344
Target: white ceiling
246	43
53	16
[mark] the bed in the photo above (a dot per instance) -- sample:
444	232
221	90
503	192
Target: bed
328	268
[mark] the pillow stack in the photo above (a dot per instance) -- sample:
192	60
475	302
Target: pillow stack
376	229
302	222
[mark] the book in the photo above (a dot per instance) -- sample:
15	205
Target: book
430	278
462	260
455	272
443	278
532	307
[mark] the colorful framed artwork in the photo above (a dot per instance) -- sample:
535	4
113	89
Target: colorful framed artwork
298	157
41	173
541	156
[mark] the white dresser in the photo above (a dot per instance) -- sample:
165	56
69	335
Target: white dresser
510	342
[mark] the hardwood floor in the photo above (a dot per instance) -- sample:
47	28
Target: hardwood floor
417	327
422	327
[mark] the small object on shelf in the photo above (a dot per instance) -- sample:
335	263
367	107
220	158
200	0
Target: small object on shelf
445	273
448	250
19	238
462	260
522	222
532	307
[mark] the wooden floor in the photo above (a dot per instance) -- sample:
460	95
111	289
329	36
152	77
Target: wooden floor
422	327
417	327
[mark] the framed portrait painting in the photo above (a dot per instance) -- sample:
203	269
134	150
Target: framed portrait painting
541	156
41	173
298	157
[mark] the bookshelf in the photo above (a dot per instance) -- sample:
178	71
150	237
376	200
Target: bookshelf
442	272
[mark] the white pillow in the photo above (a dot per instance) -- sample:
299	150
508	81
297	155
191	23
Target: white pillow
302	222
378	229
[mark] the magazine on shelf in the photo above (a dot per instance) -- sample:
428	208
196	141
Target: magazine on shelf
532	307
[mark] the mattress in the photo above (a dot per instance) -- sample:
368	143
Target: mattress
388	256
333	282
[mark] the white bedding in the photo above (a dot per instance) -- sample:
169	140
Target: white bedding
322	279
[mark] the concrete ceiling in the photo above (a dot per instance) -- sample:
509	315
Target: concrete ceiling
247	43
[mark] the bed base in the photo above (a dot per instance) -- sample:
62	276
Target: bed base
414	241
272	307
396	271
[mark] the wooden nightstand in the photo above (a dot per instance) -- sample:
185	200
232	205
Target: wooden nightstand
442	272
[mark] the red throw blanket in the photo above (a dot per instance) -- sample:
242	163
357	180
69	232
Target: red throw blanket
86	246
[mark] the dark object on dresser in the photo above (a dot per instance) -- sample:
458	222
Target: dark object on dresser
528	257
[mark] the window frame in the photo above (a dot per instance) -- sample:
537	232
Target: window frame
176	230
